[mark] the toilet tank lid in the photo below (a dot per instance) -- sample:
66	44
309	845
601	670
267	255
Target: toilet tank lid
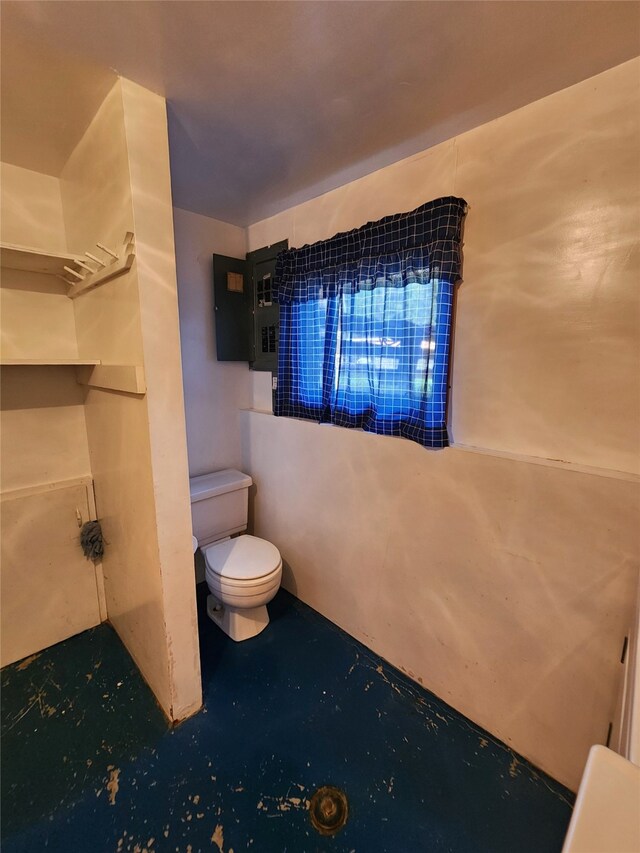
218	483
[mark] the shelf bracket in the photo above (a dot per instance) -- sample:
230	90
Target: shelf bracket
119	264
113	377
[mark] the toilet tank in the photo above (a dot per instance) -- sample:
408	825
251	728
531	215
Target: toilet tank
219	504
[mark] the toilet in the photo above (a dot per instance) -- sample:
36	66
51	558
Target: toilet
243	572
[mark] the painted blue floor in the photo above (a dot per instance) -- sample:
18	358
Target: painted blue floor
89	763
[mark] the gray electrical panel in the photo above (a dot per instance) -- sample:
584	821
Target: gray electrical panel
247	318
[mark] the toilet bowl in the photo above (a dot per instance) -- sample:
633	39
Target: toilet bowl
243	575
242	572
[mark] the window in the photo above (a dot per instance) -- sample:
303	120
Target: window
365	325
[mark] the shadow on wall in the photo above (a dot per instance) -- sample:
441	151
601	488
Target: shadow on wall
252	494
289	579
31	387
200	566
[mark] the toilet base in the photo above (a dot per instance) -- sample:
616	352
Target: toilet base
237	624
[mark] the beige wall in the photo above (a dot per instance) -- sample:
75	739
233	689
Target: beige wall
36	321
503	585
37	318
31	207
43	433
116	180
213	391
551	267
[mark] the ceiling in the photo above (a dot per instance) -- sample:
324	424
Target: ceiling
272	103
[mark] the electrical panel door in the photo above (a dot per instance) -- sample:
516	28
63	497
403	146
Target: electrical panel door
266	312
233	305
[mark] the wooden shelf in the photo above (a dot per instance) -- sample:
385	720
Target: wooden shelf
48	362
92	372
34	260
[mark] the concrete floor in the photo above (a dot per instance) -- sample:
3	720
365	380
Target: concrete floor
89	763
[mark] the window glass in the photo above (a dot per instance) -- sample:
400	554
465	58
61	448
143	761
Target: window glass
390	350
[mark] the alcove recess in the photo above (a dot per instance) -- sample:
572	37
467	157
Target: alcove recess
39	320
92	413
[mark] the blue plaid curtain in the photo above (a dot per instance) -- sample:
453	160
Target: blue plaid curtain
365	323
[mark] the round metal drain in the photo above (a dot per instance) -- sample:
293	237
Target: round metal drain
328	810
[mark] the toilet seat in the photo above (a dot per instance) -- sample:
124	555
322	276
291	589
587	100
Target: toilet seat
245	574
245	595
243	562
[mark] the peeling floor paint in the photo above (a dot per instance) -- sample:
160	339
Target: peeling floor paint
26	662
113	785
218	837
88	755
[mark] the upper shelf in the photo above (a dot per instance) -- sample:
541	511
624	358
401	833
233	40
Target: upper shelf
34	260
81	275
50	362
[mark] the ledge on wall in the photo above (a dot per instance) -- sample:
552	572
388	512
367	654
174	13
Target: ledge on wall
610	473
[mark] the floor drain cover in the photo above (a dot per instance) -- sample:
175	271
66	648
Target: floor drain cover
328	810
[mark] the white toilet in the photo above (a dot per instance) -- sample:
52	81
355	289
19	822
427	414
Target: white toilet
243	572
